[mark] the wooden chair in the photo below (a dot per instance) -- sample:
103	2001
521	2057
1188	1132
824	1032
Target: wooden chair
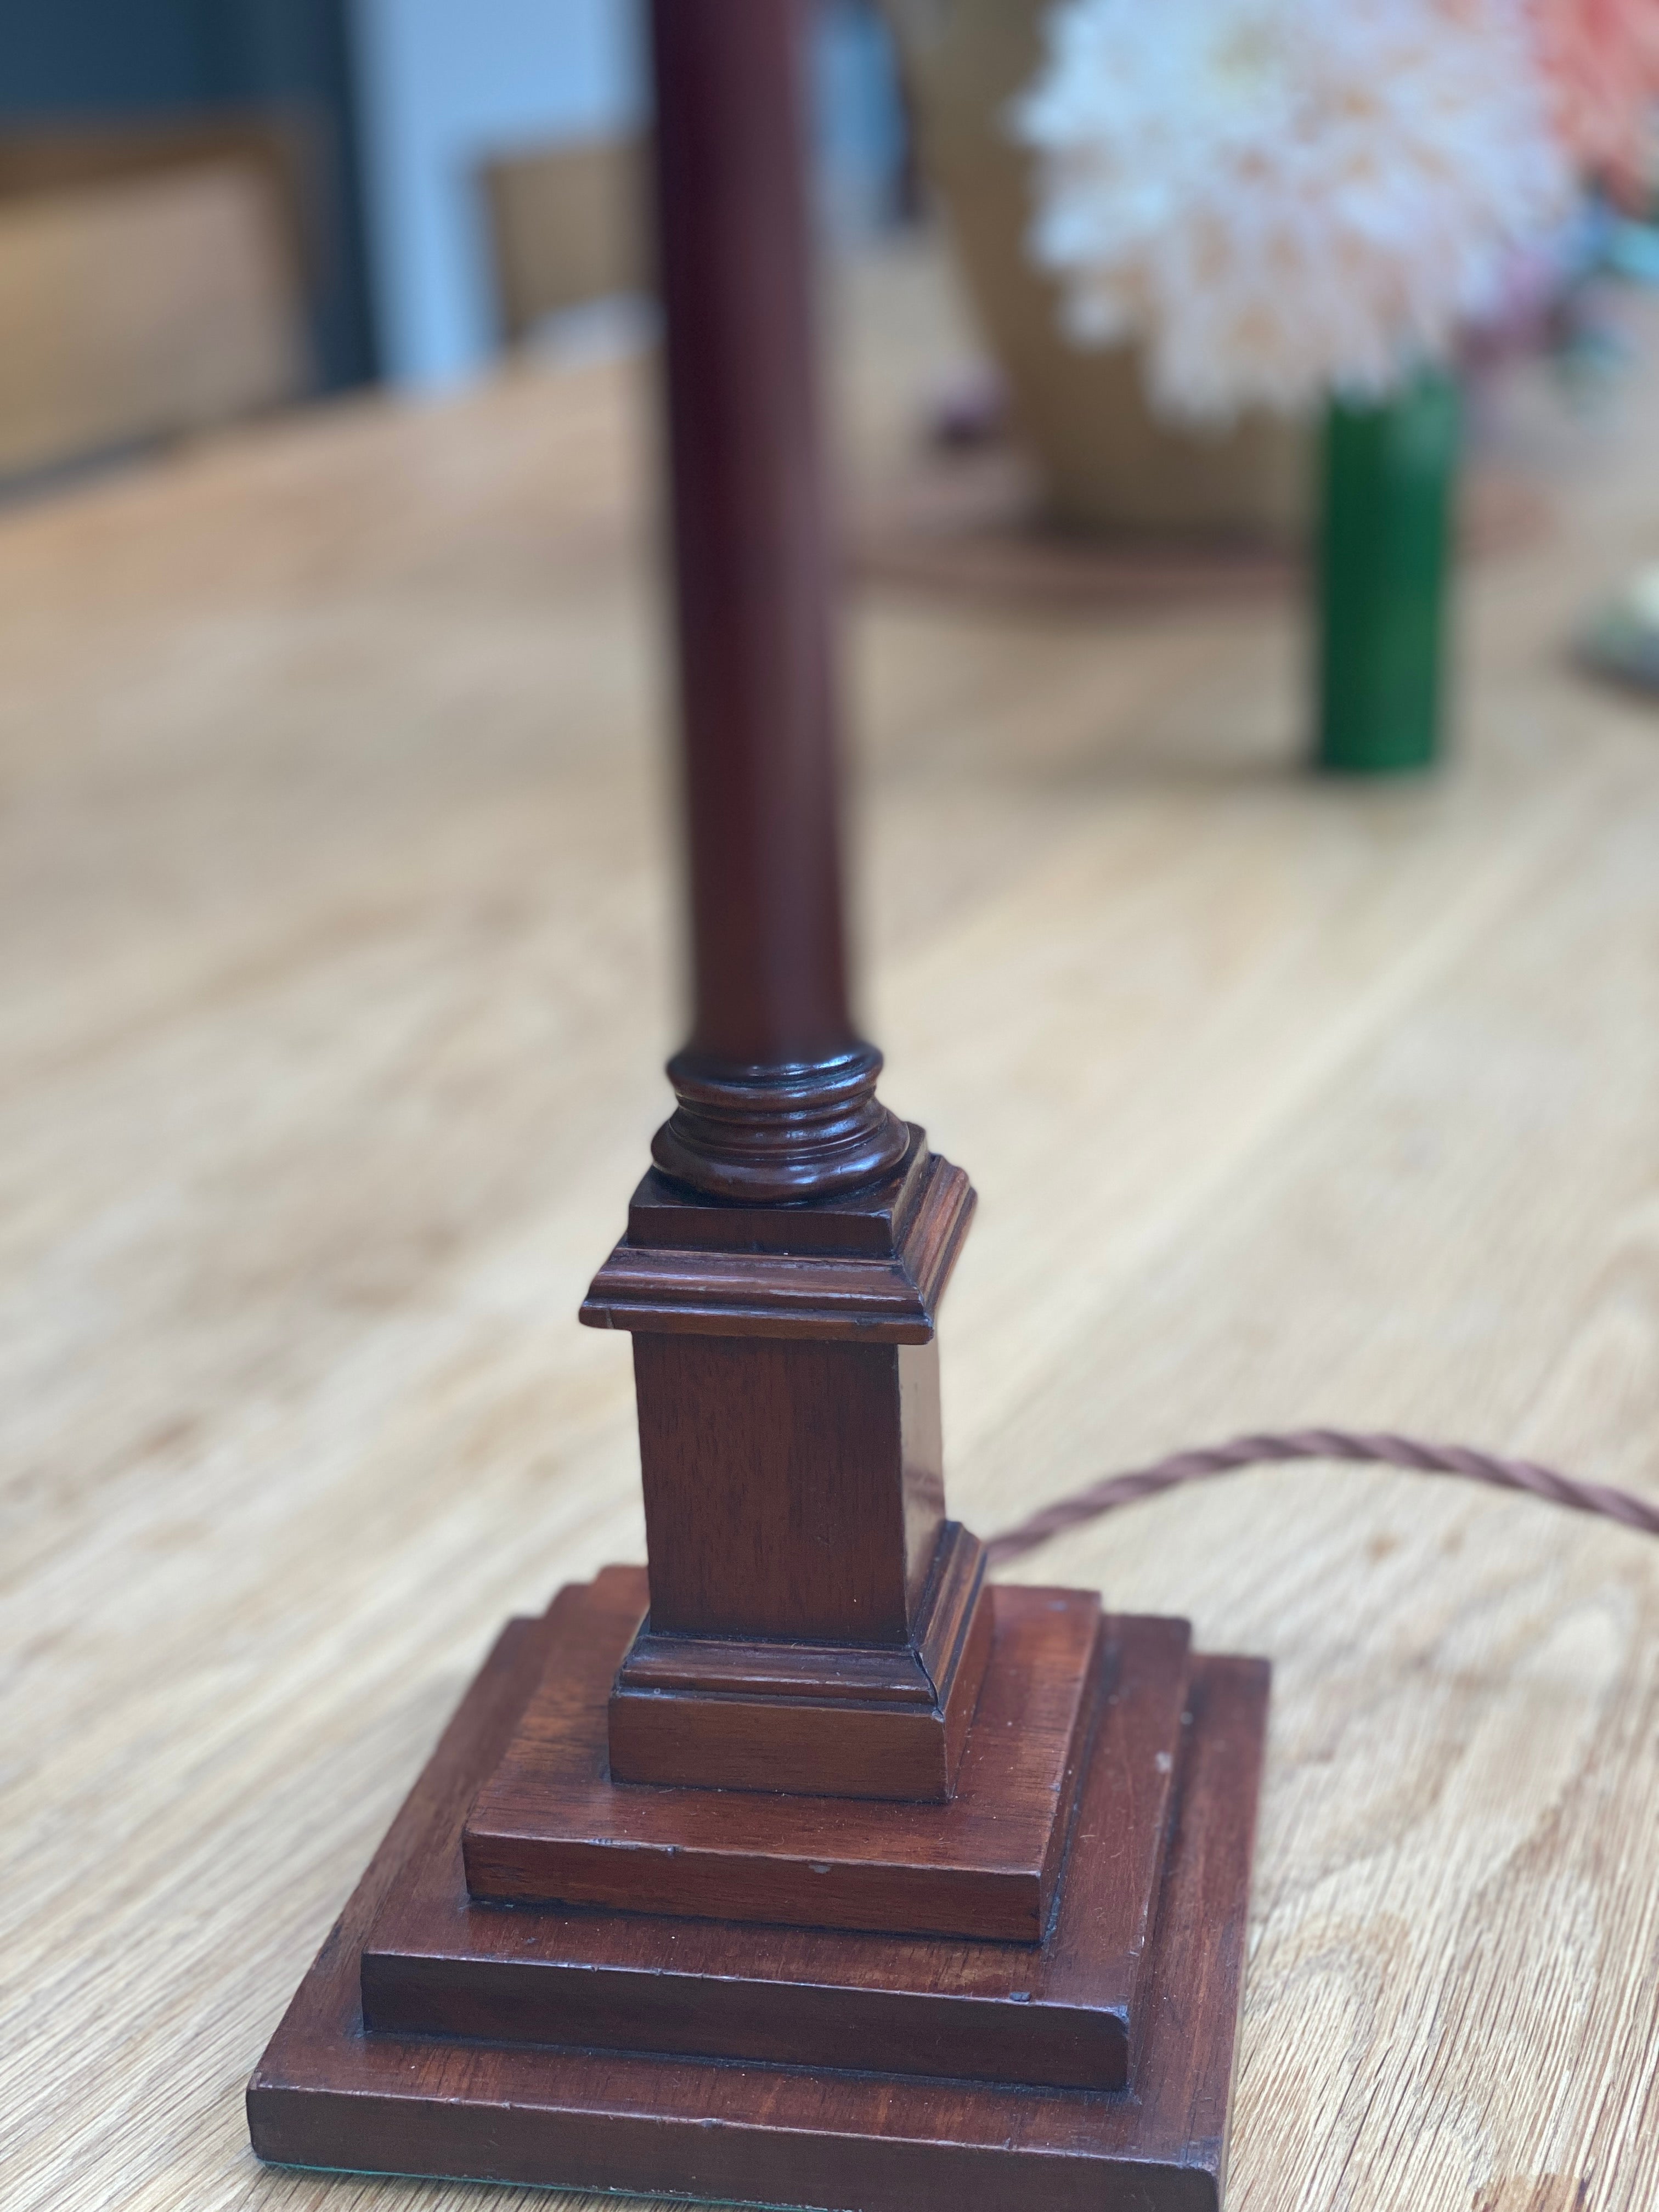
566	228
150	285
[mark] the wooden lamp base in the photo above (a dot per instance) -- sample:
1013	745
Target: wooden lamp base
799	1868
442	2033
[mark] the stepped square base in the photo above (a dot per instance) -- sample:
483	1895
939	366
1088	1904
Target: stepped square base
439	2034
550	1827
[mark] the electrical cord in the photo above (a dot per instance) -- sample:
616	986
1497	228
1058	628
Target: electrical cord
1271	1447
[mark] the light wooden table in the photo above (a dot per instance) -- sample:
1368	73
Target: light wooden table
334	978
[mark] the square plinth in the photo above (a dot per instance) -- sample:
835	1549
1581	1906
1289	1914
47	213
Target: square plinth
1062	2013
483	2091
550	1826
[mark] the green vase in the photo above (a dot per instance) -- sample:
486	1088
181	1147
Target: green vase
1384	581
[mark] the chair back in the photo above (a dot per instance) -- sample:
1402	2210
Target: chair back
140	298
566	228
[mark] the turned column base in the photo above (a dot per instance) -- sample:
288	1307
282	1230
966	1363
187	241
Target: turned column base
833	1720
1090	2065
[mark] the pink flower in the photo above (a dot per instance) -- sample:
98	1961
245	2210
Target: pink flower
1601	61
1275	200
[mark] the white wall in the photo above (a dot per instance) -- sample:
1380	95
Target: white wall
860	125
445	82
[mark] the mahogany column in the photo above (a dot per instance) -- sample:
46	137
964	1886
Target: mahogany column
815	1621
777	1093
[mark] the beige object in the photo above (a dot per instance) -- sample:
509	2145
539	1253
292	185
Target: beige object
141	306
1107	463
333	879
565	227
283	147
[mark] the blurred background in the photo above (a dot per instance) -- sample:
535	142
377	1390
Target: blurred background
209	207
215	210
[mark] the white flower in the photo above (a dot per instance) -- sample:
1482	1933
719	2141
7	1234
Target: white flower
1281	198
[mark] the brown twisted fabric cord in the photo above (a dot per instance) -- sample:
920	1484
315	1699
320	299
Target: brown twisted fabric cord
1378	1450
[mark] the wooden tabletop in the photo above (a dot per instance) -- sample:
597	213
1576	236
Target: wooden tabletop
336	972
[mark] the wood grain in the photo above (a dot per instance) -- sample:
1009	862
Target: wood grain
839	1719
776	1486
1061	2016
325	2094
792	1465
550	1826
668	1277
330	850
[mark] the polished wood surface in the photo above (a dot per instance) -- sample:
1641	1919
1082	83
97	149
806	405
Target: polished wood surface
517	2107
334	845
776	1091
886	1719
815	1620
750	534
1063	2017
550	1826
869	1267
780	1481
793	1465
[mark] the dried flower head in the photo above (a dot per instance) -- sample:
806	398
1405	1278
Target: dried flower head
1280	198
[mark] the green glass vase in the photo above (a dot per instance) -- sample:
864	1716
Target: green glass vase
1384	566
